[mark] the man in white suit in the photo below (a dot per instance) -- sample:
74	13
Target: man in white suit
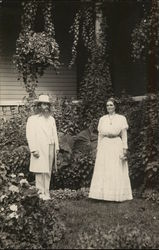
41	134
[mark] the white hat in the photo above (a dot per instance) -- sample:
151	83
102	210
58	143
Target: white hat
43	98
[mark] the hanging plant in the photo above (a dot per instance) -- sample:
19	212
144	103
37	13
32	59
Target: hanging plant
36	51
82	29
95	85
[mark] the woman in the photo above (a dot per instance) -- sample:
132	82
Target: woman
110	179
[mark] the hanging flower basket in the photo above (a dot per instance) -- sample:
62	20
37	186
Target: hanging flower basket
35	51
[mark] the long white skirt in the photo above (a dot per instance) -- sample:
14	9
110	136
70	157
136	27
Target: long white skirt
110	179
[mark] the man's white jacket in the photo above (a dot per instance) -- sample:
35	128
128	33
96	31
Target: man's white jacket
40	133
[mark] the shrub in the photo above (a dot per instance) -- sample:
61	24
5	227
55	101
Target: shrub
143	137
65	194
68	115
151	194
147	146
12	132
75	175
26	221
17	160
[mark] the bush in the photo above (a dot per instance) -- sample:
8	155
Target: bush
75	175
75	160
144	138
68	115
26	221
17	160
12	133
65	194
151	194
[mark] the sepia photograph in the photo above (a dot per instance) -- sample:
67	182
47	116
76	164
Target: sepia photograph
79	124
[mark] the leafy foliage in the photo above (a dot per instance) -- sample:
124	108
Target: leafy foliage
150	148
151	194
65	194
76	174
12	132
143	141
17	161
145	38
95	85
14	150
26	221
120	237
68	115
35	51
145	43
76	160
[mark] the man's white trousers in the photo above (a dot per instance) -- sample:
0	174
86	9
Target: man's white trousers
42	180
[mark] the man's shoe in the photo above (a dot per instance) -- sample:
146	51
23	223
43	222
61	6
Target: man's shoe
46	197
41	196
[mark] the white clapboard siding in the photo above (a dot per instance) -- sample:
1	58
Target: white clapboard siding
61	84
13	90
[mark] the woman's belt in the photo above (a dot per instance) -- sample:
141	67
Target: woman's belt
111	136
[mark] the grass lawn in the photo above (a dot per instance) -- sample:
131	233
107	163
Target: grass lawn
85	215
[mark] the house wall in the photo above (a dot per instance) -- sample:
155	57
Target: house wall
12	90
122	17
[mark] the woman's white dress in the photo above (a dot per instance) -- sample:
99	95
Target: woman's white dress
110	179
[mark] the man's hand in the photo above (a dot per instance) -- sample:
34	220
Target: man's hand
36	154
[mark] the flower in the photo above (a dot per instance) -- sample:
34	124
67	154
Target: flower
2	209
13	215
23	181
13	176
14	189
13	207
21	175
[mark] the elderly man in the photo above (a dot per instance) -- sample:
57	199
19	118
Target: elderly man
41	134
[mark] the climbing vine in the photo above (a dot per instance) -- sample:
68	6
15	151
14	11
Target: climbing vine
145	46
83	29
35	51
145	32
145	42
95	85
